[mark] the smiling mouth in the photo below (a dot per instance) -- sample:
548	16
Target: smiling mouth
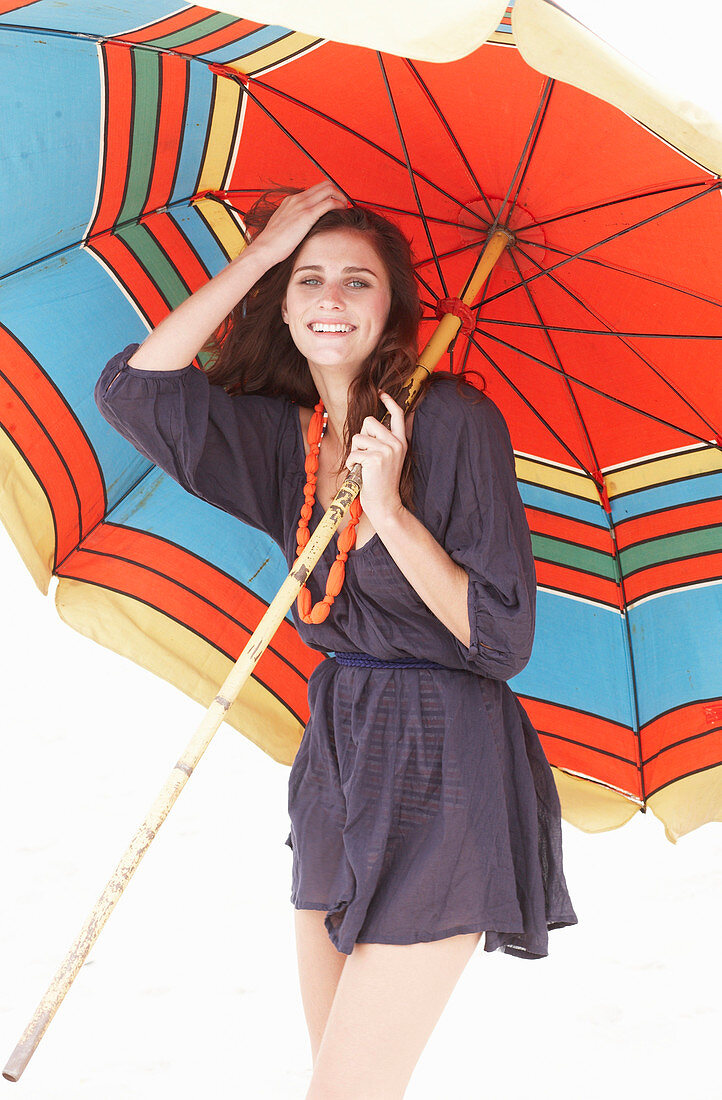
336	329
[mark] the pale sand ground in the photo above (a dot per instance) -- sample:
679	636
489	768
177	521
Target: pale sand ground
192	988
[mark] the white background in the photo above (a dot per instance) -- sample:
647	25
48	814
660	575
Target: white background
192	988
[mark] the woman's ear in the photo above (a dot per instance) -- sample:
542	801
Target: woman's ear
284	312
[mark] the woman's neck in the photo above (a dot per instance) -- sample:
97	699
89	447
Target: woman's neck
333	392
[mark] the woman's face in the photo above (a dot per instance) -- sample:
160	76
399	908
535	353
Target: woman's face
337	300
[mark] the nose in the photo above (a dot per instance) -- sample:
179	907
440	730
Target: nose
332	295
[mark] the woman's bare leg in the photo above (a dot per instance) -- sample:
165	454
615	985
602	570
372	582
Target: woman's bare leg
319	969
388	1000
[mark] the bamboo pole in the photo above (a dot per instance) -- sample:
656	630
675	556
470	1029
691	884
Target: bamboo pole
237	677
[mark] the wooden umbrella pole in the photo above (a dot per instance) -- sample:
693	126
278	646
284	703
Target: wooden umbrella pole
237	677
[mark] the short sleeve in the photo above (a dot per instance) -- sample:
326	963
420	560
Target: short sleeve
473	506
221	448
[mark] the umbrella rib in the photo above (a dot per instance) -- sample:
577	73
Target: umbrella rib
518	392
594	389
472	246
354	133
427	286
621	336
561	370
614	236
409	169
529	146
615	202
291	138
452	137
608	266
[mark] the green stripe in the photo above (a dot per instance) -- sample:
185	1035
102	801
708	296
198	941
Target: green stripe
199	30
156	263
573	557
146	71
688	544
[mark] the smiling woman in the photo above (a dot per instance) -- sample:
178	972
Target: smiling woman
423	810
344	307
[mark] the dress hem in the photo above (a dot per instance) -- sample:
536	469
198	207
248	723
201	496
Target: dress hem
458	930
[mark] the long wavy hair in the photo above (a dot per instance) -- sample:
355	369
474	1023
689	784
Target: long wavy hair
253	352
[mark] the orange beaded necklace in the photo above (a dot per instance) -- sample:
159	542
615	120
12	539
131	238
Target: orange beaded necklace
346	540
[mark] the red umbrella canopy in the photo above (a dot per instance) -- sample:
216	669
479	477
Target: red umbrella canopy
597	334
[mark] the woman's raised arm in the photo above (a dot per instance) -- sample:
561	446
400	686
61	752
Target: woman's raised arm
179	337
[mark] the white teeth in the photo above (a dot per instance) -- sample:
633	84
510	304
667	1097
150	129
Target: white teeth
317	326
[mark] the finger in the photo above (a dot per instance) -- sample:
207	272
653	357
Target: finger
322	193
377	437
397	418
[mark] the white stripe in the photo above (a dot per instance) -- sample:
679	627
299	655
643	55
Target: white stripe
659	455
554	465
109	271
101	144
287	61
580	599
236	142
594	779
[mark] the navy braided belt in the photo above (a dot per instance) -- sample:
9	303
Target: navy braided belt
365	660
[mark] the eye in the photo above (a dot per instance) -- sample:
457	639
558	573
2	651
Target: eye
310	280
358	283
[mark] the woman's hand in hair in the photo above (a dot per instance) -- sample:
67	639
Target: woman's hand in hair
180	336
290	223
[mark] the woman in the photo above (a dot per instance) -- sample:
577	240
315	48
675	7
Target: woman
423	811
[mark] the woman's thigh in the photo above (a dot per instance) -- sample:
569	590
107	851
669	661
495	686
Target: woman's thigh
319	970
388	1000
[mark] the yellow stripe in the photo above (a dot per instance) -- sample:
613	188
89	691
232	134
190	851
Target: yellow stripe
549	477
273	54
25	512
661	470
220	221
222	136
590	805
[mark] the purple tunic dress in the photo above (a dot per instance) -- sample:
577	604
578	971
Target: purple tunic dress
421	802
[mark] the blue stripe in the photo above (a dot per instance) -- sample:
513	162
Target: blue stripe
200	88
562	504
161	507
677	649
199	235
688	491
50	111
264	36
92	16
579	659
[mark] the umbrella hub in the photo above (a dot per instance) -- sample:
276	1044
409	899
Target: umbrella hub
478	219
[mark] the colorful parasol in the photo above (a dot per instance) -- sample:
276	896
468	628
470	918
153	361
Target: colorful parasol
138	134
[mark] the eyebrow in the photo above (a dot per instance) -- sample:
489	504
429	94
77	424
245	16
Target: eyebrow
346	270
